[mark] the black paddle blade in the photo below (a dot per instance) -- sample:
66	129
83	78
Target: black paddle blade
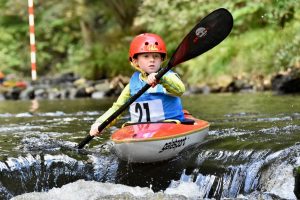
208	33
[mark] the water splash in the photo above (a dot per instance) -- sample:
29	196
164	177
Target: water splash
85	190
16	164
40	172
270	172
4	193
256	171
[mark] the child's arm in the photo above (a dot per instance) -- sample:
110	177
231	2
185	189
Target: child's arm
122	99
172	83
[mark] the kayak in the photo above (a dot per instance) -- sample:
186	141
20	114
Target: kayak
157	141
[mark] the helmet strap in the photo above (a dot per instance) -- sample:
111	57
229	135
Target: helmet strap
136	67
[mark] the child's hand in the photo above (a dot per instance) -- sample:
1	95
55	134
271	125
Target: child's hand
94	129
151	80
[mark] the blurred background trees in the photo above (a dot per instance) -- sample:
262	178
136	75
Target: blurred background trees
91	37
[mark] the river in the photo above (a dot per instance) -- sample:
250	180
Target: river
250	152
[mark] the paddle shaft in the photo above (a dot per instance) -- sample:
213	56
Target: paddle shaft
88	138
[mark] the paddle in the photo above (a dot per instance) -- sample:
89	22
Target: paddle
208	33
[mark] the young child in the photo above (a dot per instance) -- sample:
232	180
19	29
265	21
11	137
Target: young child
160	102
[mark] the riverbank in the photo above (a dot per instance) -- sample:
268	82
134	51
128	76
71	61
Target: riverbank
70	86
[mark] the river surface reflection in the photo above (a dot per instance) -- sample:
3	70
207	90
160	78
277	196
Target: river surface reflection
251	149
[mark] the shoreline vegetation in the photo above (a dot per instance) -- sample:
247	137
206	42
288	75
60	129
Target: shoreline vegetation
87	42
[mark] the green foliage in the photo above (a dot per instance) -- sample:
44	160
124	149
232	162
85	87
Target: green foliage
282	11
289	55
91	38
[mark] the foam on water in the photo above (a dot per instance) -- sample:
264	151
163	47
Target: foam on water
20	162
49	159
280	130
187	189
275	119
48	114
19	128
229	132
86	190
3	167
24	115
89	190
5	115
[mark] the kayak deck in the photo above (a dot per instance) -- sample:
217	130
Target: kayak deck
157	131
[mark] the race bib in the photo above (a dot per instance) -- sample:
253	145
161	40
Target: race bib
147	111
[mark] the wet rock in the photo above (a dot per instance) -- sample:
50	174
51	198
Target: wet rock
54	93
238	84
28	93
41	93
233	84
82	93
2	97
278	179
296	173
221	83
80	82
260	83
102	86
13	93
287	82
217	89
117	84
119	81
260	195
198	89
98	95
70	93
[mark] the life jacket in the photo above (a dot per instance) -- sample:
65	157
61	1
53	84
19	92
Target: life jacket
155	104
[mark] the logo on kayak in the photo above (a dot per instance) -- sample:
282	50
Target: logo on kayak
175	143
200	32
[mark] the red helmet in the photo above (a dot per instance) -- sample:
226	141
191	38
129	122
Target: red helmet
147	43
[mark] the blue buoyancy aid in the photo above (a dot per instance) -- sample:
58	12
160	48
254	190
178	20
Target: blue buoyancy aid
155	104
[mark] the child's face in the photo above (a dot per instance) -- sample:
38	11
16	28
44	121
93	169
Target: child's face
148	62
